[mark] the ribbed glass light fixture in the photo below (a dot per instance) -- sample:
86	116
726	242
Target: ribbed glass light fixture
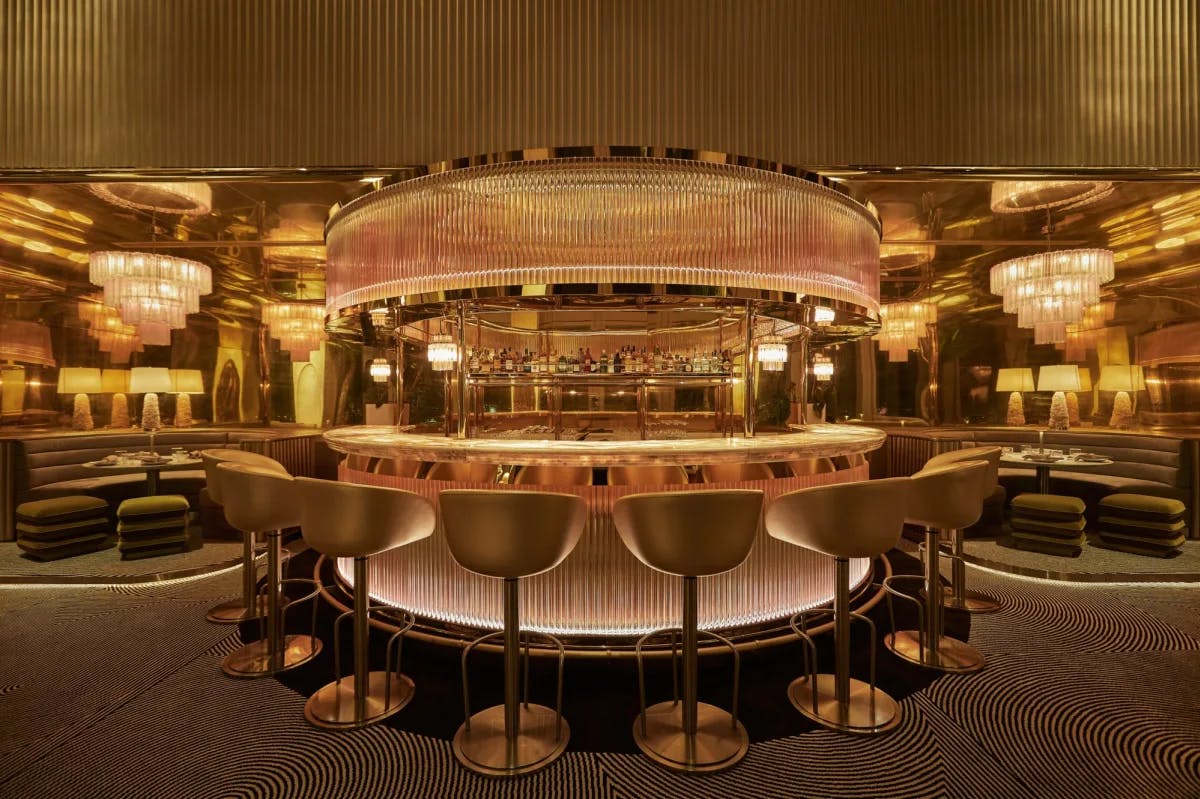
380	370
186	199
442	352
300	327
904	324
151	291
112	335
772	353
1020	196
604	220
1049	290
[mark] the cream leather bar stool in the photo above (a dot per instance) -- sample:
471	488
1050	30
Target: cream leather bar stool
344	520
251	605
263	500
850	520
941	498
510	535
690	534
537	474
650	475
958	596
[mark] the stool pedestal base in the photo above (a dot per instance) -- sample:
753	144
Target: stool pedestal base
718	743
332	707
950	654
235	611
971	601
482	746
254	659
858	715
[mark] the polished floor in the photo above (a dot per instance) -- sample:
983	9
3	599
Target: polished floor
1091	691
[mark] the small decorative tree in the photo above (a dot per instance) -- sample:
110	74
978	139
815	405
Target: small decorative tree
1059	418
150	417
1122	413
1072	407
81	418
120	411
1016	410
183	410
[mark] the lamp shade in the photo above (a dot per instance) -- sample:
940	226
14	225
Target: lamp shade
114	381
1121	378
187	381
79	380
149	380
1059	378
1014	380
1085	379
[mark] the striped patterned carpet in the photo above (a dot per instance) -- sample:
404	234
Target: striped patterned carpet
1091	691
107	564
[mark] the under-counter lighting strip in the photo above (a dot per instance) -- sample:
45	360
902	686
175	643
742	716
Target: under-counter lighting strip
127	584
1084	583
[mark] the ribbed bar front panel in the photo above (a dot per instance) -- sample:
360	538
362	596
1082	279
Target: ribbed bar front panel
288	83
601	588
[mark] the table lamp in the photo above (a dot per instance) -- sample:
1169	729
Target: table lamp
80	381
183	383
1016	381
1085	384
1059	379
116	382
150	380
1121	379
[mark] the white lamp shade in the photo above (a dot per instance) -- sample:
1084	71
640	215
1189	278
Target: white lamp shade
1121	378
114	381
1014	380
79	380
187	381
1059	378
149	380
1085	379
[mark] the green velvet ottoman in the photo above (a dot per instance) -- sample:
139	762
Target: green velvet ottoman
151	526
1048	523
1142	525
50	529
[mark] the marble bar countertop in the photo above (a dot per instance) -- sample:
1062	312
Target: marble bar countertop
818	441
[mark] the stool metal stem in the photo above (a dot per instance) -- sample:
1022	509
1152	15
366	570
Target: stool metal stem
249	573
362	637
933	597
690	658
512	664
841	631
274	575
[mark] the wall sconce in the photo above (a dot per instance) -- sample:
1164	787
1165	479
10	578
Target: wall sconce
442	353
380	370
772	354
822	367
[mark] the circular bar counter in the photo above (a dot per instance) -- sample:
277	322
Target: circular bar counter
601	590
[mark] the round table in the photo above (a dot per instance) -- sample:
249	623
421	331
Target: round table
151	469
1043	467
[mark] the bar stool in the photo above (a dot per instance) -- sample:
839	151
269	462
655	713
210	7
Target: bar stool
547	475
850	520
252	605
510	535
263	500
690	534
659	474
344	520
941	498
735	472
958	596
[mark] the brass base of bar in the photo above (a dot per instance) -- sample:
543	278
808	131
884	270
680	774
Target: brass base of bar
484	749
235	611
971	602
951	654
719	742
332	707
859	715
254	659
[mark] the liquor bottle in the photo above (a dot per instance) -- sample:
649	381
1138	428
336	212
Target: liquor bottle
527	362
473	362
587	360
562	363
577	362
509	365
726	363
616	363
605	364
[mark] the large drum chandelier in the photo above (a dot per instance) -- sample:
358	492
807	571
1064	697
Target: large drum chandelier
153	292
1049	290
300	327
186	199
1020	196
904	325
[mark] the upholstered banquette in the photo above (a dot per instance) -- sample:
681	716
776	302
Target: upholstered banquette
45	467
